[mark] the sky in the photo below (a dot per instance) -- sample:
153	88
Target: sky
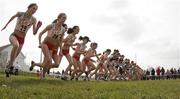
146	31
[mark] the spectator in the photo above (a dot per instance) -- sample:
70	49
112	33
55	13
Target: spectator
175	73
179	73
168	73
153	74
162	72
158	71
172	72
147	75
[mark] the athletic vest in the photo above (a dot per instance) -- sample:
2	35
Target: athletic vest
71	39
82	47
54	33
23	23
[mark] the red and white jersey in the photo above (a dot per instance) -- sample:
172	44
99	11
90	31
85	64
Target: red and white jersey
23	22
90	52
82	46
103	58
71	39
54	33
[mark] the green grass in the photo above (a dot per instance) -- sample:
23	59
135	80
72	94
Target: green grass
30	87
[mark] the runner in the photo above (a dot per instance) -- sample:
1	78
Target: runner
68	42
80	49
24	22
52	41
87	61
101	65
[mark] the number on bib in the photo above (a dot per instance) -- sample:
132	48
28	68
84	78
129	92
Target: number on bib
55	36
23	28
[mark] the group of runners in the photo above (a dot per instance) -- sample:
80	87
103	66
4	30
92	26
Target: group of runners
109	65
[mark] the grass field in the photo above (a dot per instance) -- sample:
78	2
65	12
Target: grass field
28	86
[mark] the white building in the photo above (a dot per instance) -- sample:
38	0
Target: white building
5	52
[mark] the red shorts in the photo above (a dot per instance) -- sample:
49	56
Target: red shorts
86	61
101	65
77	57
65	52
20	39
51	47
54	51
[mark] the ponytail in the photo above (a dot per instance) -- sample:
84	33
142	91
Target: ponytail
70	30
64	25
55	21
104	52
86	37
81	38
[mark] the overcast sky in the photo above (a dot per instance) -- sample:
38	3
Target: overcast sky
147	29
